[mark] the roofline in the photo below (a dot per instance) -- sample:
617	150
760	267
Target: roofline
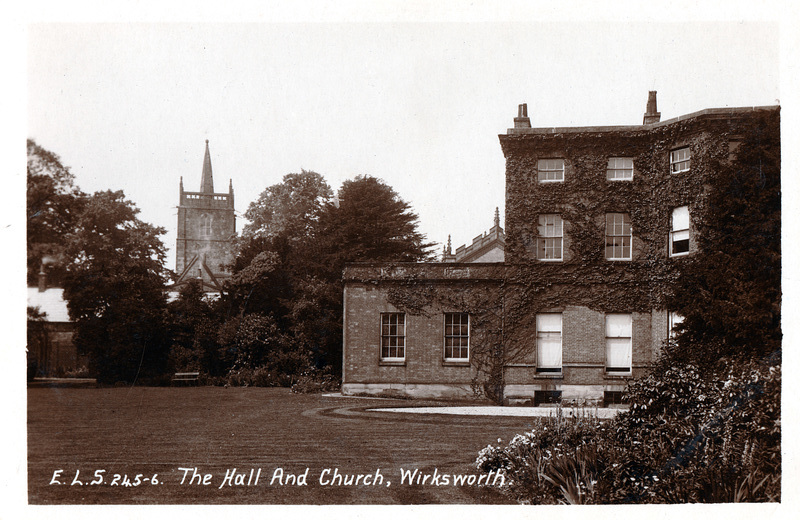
406	264
706	113
207	193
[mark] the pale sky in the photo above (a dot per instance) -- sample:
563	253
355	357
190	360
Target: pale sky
419	105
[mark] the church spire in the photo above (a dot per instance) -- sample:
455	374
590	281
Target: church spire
207	184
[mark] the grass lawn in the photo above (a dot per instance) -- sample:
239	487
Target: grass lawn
155	431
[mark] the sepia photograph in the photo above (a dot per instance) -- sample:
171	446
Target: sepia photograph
483	256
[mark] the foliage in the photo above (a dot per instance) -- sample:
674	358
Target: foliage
315	380
53	205
685	439
194	322
371	224
253	340
290	208
555	463
289	261
38	339
730	296
114	289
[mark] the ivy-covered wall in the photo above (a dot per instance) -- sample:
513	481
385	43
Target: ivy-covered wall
504	299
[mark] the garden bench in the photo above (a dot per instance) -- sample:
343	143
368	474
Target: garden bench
185	377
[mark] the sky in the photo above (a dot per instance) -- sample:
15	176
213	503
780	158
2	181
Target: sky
418	104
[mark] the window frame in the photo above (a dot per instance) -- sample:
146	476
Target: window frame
399	337
453	336
541	367
673	319
206	225
613	236
543	170
609	169
679	164
686	230
619	370
543	239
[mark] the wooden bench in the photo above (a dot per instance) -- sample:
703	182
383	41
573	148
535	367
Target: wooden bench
185	377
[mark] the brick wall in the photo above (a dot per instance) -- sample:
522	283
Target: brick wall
424	347
425	373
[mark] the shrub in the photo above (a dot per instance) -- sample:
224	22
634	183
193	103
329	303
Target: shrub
314	380
555	463
689	436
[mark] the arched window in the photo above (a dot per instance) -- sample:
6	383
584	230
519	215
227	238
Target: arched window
205	225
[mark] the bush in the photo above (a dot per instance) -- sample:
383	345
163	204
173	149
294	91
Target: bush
688	437
556	463
313	380
261	376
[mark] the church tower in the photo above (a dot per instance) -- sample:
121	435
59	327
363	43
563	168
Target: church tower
206	228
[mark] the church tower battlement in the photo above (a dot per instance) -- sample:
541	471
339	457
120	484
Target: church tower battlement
206	228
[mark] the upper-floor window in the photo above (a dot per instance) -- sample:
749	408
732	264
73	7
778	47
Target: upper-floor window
393	336
548	342
551	170
680	160
456	336
551	236
619	333
679	235
619	169
618	236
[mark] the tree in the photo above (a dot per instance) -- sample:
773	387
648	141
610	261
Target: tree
730	293
114	289
290	208
289	262
195	320
38	340
370	223
53	204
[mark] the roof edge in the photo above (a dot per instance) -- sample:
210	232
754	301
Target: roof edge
705	113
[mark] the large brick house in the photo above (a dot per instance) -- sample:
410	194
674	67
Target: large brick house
598	223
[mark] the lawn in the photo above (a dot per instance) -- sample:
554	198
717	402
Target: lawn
151	431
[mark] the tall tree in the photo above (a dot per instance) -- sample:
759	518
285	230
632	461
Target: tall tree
114	289
371	223
289	208
53	204
368	223
730	293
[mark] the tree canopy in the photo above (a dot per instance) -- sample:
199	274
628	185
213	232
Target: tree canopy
371	224
291	207
114	289
53	204
289	261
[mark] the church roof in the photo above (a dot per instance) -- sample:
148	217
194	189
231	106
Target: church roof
486	247
207	183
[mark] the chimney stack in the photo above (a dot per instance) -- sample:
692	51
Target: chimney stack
652	115
47	261
522	120
42	280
